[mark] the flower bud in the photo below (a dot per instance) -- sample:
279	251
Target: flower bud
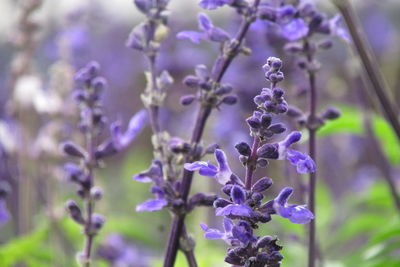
220	203
224	89
262	163
97	222
268	151
191	81
74	211
187	100
230	100
243	148
253	122
277	128
96	193
72	149
331	113
262	185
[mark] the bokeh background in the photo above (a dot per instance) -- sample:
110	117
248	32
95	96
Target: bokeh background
358	222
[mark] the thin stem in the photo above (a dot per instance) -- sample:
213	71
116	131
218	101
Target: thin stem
220	66
312	129
370	63
252	163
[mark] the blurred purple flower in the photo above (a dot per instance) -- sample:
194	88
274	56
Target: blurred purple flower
213	4
4	213
222	173
337	30
294	29
208	32
295	213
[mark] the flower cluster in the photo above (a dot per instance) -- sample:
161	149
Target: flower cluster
89	88
299	19
244	209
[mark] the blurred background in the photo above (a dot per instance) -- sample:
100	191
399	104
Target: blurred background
358	221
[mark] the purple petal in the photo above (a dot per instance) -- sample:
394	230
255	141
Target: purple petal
135	125
4	214
205	23
238	194
295	29
213	234
237	210
296	214
284	196
337	30
292	138
205	168
224	174
213	4
228	224
303	162
194	166
218	35
151	205
195	37
204	227
142	177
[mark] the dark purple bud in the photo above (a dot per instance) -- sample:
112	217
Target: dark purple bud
72	149
99	84
243	148
224	89
227	189
98	221
279	76
325	44
259	100
221	202
284	195
281	108
268	208
264	241
331	113
267	13
268	151
276	63
96	193
277	92
257	196
269	105
262	163
294	112
262	185
230	100
238	194
274	258
263	218
315	22
253	122
191	81
233	258
74	211
266	120
277	128
186	100
293	48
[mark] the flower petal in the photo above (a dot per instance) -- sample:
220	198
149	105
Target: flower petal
195	37
224	174
294	30
205	23
151	205
238	194
296	214
135	125
283	196
236	210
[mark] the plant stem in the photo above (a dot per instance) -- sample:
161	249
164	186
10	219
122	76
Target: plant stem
370	64
312	128
252	162
220	66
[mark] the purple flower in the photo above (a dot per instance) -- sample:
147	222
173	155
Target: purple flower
337	30
213	4
153	174
4	214
222	173
295	213
304	163
238	207
212	233
294	29
208	32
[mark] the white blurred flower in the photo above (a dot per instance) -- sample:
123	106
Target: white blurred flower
7	138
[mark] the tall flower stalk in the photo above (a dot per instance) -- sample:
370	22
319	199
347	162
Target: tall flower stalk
244	210
232	47
92	123
300	22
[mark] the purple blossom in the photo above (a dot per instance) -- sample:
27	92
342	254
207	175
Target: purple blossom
295	213
337	30
153	174
222	173
4	213
212	233
294	29
213	4
238	207
208	32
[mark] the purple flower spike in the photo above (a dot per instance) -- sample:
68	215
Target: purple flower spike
295	213
294	30
213	4
122	140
